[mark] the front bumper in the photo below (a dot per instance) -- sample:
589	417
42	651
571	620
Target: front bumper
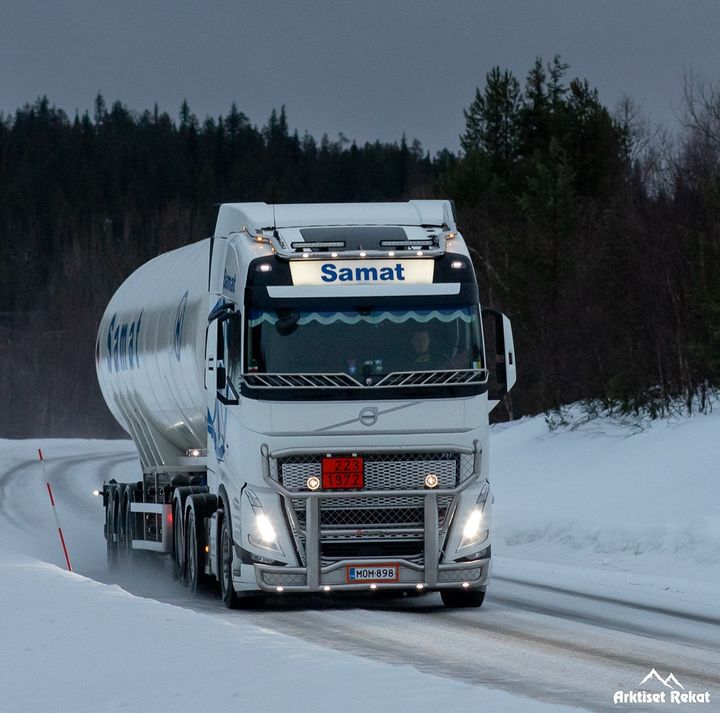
430	573
410	576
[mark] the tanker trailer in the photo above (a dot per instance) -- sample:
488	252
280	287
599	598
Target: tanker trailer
308	391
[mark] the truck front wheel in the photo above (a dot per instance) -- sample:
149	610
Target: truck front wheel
459	598
227	591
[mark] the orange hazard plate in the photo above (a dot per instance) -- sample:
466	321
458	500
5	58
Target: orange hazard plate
342	473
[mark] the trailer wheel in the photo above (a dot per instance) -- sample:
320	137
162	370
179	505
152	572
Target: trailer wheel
124	537
460	598
179	569
111	519
134	558
227	591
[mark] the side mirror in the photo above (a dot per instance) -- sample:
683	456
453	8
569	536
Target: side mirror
502	364
226	392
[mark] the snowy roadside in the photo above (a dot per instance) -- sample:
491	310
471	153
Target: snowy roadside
607	498
72	644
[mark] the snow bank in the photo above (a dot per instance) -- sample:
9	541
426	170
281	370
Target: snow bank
608	495
73	644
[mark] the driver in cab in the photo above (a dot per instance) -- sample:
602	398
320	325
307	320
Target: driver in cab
423	357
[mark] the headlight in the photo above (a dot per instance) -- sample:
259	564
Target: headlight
476	529
472	526
264	529
261	532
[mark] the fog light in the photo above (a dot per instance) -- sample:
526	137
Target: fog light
313	482
431	480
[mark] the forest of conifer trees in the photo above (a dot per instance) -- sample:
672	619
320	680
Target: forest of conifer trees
597	234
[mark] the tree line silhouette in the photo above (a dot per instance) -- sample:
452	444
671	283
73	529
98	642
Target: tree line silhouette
596	234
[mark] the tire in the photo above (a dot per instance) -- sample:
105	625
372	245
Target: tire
192	557
461	598
124	528
197	580
179	569
225	558
179	549
111	520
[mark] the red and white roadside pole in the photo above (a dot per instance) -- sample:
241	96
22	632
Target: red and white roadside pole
54	509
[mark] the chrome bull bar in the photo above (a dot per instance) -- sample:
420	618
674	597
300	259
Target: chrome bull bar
313	572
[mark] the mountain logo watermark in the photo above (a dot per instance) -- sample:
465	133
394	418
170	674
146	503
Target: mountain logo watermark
655	689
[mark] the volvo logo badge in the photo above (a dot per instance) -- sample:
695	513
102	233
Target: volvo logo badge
369	416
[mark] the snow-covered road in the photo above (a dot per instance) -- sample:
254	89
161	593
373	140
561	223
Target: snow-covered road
550	630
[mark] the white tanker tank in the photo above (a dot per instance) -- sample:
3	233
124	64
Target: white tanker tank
150	354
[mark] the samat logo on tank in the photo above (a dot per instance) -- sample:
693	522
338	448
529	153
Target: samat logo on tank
122	344
362	272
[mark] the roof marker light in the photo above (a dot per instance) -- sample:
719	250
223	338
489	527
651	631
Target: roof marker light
466	585
265	267
363	253
333	254
306	254
373	586
419	586
419	252
326	588
279	589
457	264
391	254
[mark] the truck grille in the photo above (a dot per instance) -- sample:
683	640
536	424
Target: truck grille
395	523
383	471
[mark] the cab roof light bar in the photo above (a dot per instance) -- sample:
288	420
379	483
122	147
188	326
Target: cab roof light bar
409	244
317	246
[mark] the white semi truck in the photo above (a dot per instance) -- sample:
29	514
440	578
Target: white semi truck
308	391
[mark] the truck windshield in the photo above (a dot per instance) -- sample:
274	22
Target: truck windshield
365	343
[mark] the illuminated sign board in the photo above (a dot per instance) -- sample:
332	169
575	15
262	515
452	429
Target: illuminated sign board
362	272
